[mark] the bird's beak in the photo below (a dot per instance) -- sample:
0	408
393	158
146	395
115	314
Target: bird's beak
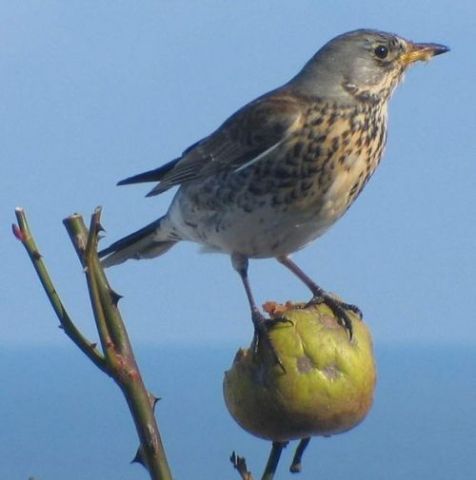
421	51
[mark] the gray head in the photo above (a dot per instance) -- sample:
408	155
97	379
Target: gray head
362	65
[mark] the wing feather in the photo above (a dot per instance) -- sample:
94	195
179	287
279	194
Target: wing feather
245	138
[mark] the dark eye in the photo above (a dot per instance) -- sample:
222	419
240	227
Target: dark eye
381	51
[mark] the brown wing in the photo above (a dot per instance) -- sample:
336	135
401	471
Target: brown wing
246	137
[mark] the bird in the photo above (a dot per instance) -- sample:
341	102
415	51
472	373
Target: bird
279	172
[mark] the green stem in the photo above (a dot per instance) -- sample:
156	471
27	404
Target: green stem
273	460
296	465
109	298
78	233
23	233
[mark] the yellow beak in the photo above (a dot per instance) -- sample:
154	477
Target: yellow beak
421	51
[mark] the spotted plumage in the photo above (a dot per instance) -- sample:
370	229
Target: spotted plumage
284	168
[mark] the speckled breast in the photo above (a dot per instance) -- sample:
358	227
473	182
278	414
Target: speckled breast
283	202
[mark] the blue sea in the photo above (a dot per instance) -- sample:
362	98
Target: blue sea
62	419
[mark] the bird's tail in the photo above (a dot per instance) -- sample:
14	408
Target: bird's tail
148	242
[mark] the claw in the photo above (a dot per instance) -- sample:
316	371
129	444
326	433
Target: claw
338	309
353	308
262	324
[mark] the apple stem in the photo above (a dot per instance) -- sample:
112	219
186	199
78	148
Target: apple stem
273	460
296	466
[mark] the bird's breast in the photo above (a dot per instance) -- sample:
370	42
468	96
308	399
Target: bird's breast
350	153
286	200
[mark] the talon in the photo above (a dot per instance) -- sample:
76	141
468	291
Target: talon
261	324
338	309
345	321
353	308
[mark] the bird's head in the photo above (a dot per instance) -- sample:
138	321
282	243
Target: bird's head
364	65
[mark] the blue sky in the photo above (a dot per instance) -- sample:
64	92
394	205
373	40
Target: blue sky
92	92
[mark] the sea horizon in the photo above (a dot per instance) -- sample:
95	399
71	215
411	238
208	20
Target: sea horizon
64	419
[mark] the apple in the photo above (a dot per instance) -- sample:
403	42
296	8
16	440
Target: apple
323	383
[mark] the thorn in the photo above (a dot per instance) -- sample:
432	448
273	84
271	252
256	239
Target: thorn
138	458
18	233
154	400
99	228
93	345
60	327
115	297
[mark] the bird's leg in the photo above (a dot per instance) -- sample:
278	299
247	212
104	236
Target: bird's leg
320	296
240	264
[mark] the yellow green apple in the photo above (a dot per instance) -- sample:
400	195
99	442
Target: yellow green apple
323	383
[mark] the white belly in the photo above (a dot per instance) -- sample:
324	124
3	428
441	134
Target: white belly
262	233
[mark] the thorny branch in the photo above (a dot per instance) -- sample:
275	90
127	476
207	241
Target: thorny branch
116	357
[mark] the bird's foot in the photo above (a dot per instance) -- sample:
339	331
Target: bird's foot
339	309
262	325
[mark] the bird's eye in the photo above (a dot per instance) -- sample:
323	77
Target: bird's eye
381	51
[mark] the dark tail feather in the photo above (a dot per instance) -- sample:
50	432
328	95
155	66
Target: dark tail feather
144	243
150	176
